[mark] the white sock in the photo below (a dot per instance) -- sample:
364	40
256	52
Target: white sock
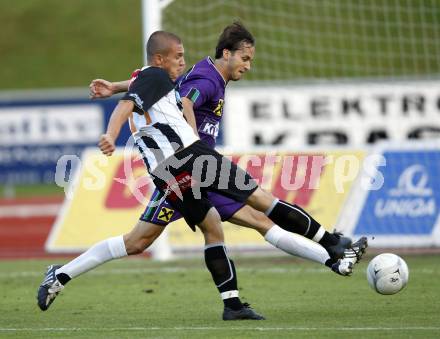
318	236
296	244
96	255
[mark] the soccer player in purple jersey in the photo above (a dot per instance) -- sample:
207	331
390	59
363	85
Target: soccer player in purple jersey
202	91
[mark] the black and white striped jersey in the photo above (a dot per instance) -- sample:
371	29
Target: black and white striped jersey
158	125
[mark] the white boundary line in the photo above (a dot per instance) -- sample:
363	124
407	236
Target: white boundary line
261	329
29	210
121	271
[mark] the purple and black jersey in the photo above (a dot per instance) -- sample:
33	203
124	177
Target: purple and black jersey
205	87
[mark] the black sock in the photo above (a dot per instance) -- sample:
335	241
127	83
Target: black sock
63	278
328	239
294	219
329	262
233	303
223	273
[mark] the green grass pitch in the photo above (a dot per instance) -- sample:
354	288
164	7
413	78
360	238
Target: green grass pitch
141	298
71	45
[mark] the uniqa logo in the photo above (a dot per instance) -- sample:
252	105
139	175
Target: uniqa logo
411	198
412	181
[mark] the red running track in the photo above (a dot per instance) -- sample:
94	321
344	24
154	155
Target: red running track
22	234
24	237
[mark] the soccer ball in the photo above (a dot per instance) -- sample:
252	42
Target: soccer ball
387	273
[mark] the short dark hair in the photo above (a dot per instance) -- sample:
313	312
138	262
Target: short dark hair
232	38
159	42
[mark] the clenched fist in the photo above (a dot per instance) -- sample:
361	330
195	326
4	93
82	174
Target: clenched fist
107	144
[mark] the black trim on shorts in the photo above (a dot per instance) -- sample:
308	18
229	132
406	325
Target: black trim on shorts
195	210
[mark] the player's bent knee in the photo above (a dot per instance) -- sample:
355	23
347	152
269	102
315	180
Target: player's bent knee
138	248
141	237
261	221
260	200
211	227
251	218
135	246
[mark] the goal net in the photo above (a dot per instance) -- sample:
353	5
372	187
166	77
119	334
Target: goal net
319	39
315	60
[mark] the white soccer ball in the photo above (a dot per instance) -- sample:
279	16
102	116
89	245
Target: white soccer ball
387	273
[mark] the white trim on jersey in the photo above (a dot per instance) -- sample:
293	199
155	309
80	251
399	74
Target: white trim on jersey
167	132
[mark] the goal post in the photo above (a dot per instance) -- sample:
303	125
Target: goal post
151	22
151	19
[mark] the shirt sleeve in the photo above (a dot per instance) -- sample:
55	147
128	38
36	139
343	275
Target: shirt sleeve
197	89
149	86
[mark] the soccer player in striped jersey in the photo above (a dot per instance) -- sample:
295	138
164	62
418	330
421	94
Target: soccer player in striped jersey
155	107
199	91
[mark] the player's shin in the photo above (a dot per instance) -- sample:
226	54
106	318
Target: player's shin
297	245
96	255
223	273
293	218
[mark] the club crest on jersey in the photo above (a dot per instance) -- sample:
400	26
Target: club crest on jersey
137	100
219	109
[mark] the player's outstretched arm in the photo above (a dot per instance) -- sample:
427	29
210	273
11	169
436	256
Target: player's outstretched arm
188	113
120	114
100	88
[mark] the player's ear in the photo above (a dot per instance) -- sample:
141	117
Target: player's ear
226	54
158	59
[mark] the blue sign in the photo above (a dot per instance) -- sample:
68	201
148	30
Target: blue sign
408	202
35	134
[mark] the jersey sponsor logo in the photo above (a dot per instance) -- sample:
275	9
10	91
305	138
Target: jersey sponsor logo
165	214
210	127
178	186
219	109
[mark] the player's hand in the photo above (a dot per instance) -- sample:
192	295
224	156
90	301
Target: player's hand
100	88
106	144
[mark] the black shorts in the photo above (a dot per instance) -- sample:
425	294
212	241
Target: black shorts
186	177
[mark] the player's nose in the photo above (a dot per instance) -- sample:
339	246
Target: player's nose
247	66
